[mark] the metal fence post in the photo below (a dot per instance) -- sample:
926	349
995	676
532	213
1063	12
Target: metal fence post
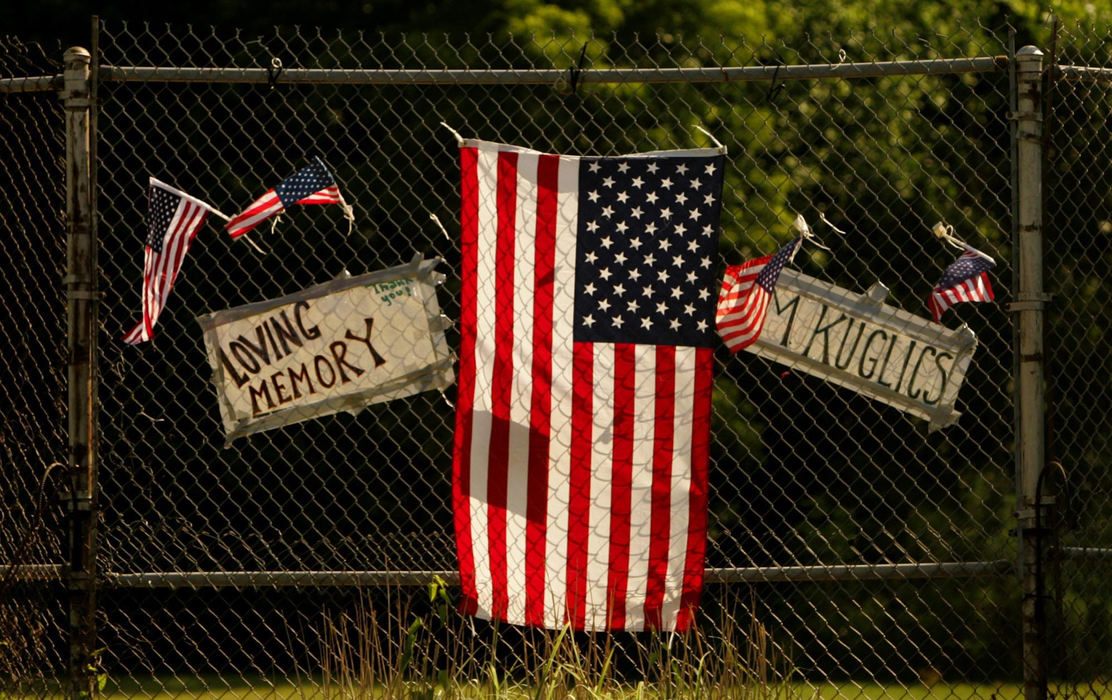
1030	394
80	283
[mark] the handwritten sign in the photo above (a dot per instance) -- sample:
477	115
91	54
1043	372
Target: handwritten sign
856	341
338	346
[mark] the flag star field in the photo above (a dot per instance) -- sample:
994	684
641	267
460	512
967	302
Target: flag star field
647	242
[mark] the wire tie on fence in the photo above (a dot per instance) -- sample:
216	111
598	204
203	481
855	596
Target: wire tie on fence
835	229
805	231
775	87
273	71
576	70
841	56
721	148
436	219
459	139
945	232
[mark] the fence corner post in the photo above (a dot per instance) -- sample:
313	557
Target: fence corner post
1029	360
81	311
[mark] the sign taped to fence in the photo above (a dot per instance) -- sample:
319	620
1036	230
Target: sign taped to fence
338	346
856	341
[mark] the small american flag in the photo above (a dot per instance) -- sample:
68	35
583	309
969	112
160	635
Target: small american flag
966	279
311	185
173	220
743	300
586	367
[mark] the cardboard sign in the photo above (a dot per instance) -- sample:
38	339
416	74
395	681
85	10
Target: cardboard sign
338	346
854	340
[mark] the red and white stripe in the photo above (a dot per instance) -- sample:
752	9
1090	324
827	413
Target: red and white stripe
580	469
976	288
260	210
742	305
160	270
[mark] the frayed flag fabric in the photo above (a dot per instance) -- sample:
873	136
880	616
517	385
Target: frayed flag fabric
586	367
966	279
311	185
746	291
173	220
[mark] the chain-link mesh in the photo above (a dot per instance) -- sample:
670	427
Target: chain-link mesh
1078	231
802	473
32	432
219	562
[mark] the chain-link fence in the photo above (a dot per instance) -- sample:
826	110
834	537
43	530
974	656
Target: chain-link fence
851	549
32	373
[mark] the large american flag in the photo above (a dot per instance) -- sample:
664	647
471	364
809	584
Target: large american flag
966	279
583	414
310	185
746	291
173	219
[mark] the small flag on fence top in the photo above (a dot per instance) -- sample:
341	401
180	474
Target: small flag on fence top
746	290
310	185
586	366
966	279
173	220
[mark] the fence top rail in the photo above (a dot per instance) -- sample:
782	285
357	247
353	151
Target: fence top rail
460	76
1067	72
33	83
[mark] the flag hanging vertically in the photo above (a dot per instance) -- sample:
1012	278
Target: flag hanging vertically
743	299
966	279
586	361
313	184
173	218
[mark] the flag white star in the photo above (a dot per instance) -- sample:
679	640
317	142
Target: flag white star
608	182
592	226
621	226
647	291
709	199
695	214
620	258
590	288
635	242
637	182
691	276
651	198
681	198
604	304
710	168
662	308
666	213
622	197
653	167
604	273
633	305
591	257
665	244
677	292
608	211
594	166
692	246
635	274
619	289
663	276
666	183
618	321
593	195
688	309
606	242
681	168
675	324
646	323
636	212
696	183
705	262
702	325
703	294
650	259
623	167
677	260
588	320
